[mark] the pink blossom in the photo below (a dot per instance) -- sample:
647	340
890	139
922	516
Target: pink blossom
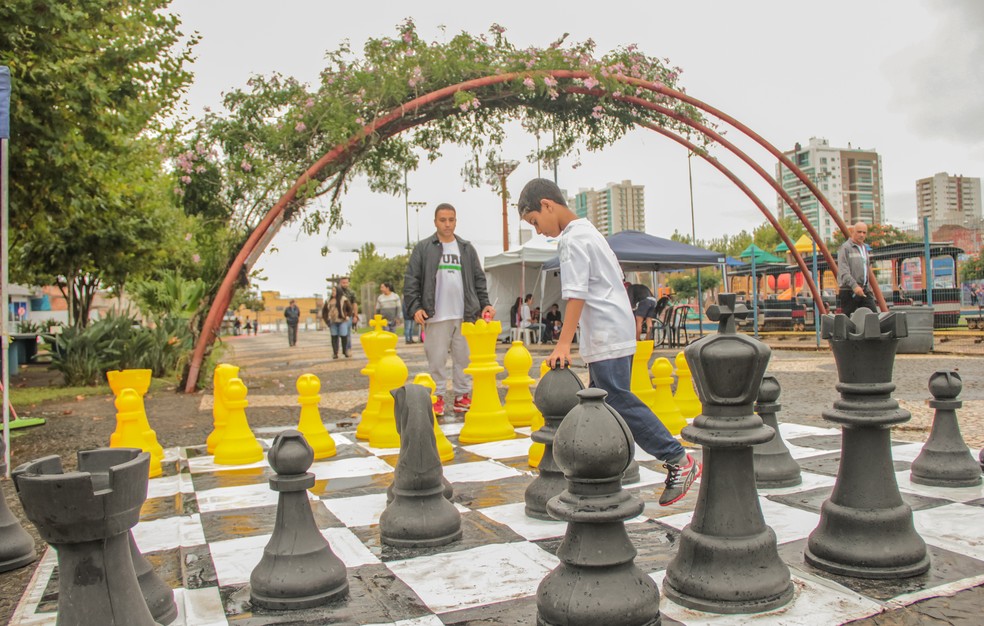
597	112
309	103
200	147
360	121
246	165
178	191
590	82
187	236
301	127
195	258
416	77
407	37
199	169
498	30
549	81
186	179
552	93
528	83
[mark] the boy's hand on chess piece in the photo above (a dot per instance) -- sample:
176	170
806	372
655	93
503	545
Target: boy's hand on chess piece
561	356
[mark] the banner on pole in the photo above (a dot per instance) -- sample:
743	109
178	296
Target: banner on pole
4	102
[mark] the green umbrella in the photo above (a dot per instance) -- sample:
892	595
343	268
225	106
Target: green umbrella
761	256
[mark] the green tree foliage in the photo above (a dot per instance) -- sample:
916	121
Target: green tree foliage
92	81
973	268
878	235
169	296
372	267
765	235
684	284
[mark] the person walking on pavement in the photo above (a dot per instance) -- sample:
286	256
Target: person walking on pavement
852	272
389	305
591	282
293	315
443	287
341	313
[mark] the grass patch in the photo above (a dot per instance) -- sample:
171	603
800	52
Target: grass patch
29	396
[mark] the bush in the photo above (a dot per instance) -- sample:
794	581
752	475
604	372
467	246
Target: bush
83	356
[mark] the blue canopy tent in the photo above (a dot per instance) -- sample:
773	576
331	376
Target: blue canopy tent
641	252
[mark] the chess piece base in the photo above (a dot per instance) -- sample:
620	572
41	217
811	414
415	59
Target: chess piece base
855	571
273	603
726	608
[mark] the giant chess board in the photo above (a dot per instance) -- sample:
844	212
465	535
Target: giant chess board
204	527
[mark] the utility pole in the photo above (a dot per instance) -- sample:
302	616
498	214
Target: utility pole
502	170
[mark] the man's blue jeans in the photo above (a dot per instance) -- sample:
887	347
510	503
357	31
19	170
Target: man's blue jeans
613	376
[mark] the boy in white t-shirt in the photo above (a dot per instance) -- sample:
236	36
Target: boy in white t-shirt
591	283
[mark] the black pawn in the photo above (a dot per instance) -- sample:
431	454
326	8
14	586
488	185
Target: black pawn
419	515
555	396
157	594
597	581
298	569
866	530
728	560
16	545
945	460
775	467
86	518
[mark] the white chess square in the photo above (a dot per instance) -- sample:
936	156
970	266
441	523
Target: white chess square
241	497
357	510
169	532
347	468
810	481
955	527
957	494
452	581
479	471
506	449
204	464
199	607
167	486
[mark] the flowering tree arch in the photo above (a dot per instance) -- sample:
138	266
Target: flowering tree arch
283	145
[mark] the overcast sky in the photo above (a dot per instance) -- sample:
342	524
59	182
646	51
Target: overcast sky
903	77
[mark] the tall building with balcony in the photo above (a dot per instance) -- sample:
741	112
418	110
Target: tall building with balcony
850	179
617	207
945	198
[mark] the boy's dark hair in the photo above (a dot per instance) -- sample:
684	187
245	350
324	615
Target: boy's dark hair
528	298
536	190
444	206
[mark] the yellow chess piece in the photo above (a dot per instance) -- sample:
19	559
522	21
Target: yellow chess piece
374	343
391	373
310	424
536	449
238	445
686	398
223	373
486	419
663	405
519	401
640	383
139	381
444	448
129	432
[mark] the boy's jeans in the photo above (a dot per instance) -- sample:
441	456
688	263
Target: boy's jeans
613	376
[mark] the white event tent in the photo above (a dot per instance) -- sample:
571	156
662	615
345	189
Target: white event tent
517	272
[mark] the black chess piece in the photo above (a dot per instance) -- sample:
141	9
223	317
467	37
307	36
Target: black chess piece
86	518
728	560
555	396
16	545
419	515
597	581
775	467
945	460
298	569
157	594
866	529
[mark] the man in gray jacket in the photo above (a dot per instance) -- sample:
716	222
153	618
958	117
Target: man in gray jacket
443	287
852	272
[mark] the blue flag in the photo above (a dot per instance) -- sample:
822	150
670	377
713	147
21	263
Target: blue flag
4	102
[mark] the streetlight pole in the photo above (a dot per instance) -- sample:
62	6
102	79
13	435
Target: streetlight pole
406	205
502	170
416	206
693	240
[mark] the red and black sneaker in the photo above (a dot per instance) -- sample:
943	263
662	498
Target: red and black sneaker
439	406
679	478
462	403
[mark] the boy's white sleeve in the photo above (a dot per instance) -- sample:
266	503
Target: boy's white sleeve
575	268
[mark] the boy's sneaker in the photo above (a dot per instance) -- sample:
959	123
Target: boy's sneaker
439	406
679	478
462	403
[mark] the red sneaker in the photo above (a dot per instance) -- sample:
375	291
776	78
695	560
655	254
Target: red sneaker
439	406
462	403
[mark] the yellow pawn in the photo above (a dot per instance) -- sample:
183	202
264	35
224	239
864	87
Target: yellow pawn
486	419
640	383
536	449
444	448
223	373
129	414
391	373
663	405
519	401
310	424
686	398
374	344
138	381
238	445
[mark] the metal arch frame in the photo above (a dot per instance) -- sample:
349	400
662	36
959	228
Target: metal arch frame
260	236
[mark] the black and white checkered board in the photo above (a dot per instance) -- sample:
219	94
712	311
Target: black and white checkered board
204	527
